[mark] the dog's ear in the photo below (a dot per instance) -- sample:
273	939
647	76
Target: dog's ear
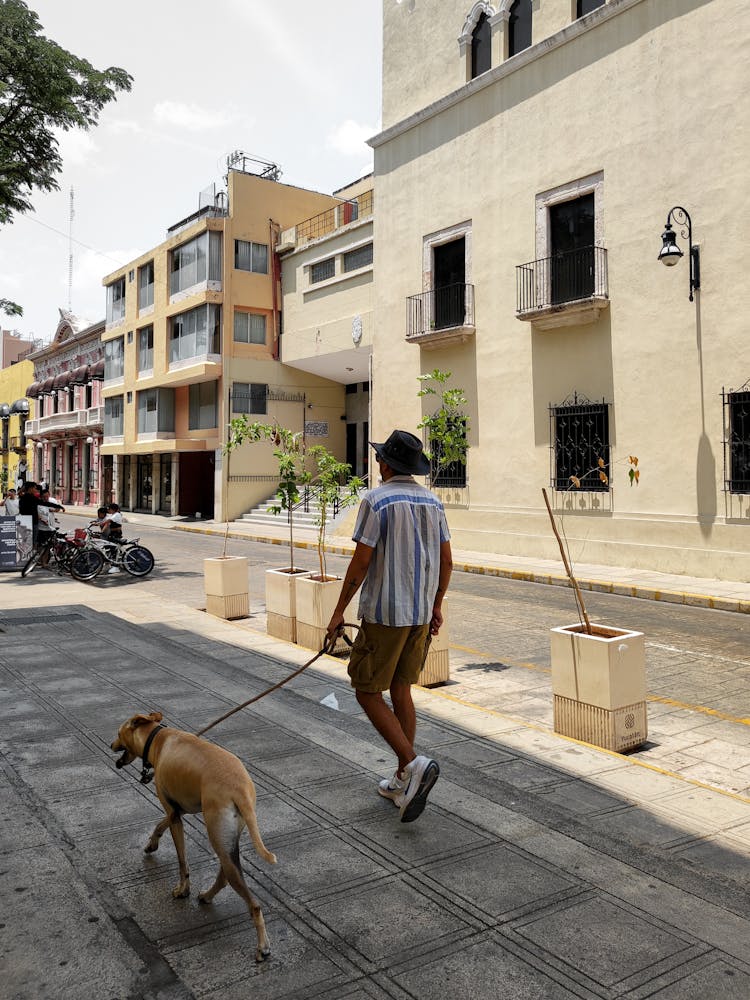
156	716
144	720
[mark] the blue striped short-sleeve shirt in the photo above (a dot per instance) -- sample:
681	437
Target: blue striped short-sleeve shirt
405	524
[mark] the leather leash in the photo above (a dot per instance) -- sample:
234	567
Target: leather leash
328	647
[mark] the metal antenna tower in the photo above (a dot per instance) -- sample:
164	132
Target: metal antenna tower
70	249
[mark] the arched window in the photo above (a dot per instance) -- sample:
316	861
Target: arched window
481	56
519	27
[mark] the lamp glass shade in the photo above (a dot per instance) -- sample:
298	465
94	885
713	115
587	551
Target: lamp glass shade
670	253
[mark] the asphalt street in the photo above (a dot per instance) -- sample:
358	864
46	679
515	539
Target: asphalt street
698	659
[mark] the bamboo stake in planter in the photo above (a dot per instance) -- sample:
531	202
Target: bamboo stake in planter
568	570
575	482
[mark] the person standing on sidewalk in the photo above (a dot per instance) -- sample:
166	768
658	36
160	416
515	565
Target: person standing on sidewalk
29	503
403	562
10	503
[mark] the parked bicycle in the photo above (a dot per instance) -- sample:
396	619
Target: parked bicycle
58	552
99	552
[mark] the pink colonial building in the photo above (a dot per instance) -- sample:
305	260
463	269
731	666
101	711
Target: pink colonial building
66	432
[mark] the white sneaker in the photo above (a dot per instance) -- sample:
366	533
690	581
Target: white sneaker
113	569
422	773
392	788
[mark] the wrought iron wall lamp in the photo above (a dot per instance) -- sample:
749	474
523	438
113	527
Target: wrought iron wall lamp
670	253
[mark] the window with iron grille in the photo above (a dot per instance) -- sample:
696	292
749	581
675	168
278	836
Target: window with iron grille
249	397
579	437
323	270
737	438
360	257
452	474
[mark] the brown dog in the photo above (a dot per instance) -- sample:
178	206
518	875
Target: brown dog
195	776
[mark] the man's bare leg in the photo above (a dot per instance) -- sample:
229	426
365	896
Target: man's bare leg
388	725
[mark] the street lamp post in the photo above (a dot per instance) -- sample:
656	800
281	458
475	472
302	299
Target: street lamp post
670	253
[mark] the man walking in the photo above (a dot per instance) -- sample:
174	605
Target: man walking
403	563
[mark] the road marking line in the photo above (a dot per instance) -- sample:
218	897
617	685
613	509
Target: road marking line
694	652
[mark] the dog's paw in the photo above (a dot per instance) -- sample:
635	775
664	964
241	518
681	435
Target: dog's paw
151	847
262	954
204	898
181	891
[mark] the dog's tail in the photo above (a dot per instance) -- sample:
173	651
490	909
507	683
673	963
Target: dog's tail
247	811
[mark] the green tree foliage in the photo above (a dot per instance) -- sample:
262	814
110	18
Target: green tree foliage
448	426
43	88
289	452
10	308
334	487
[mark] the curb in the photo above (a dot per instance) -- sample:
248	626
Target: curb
638	591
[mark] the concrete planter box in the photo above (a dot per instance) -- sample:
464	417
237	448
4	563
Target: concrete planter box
281	608
226	586
599	685
316	600
436	669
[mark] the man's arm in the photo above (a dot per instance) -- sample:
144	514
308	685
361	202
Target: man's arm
446	568
355	574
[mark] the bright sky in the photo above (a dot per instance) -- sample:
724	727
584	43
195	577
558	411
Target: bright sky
294	82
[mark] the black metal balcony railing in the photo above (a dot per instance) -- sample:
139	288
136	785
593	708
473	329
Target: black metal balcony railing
561	278
440	309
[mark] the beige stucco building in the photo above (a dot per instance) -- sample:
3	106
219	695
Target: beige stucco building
327	297
192	339
528	161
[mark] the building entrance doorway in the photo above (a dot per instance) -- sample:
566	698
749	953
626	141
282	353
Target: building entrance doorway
449	283
144	483
572	244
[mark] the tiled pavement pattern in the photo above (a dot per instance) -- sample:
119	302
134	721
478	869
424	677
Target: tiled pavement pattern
541	868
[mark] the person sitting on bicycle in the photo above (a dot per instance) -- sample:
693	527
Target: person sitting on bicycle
101	514
112	523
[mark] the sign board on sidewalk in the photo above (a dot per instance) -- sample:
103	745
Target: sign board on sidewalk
16	534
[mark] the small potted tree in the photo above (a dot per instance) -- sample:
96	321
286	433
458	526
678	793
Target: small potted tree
289	452
598	672
446	430
317	594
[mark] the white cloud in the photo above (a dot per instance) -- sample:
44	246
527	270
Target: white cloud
124	127
192	116
77	147
350	138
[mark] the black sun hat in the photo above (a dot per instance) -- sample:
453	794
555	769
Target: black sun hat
403	452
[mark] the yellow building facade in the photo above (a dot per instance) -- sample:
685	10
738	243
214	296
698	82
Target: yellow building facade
530	157
15	410
192	339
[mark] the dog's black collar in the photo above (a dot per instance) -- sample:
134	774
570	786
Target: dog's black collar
147	772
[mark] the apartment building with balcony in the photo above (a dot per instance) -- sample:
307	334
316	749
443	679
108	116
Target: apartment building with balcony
64	432
530	154
192	339
327	298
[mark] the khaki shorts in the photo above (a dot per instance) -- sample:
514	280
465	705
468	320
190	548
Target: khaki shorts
383	654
